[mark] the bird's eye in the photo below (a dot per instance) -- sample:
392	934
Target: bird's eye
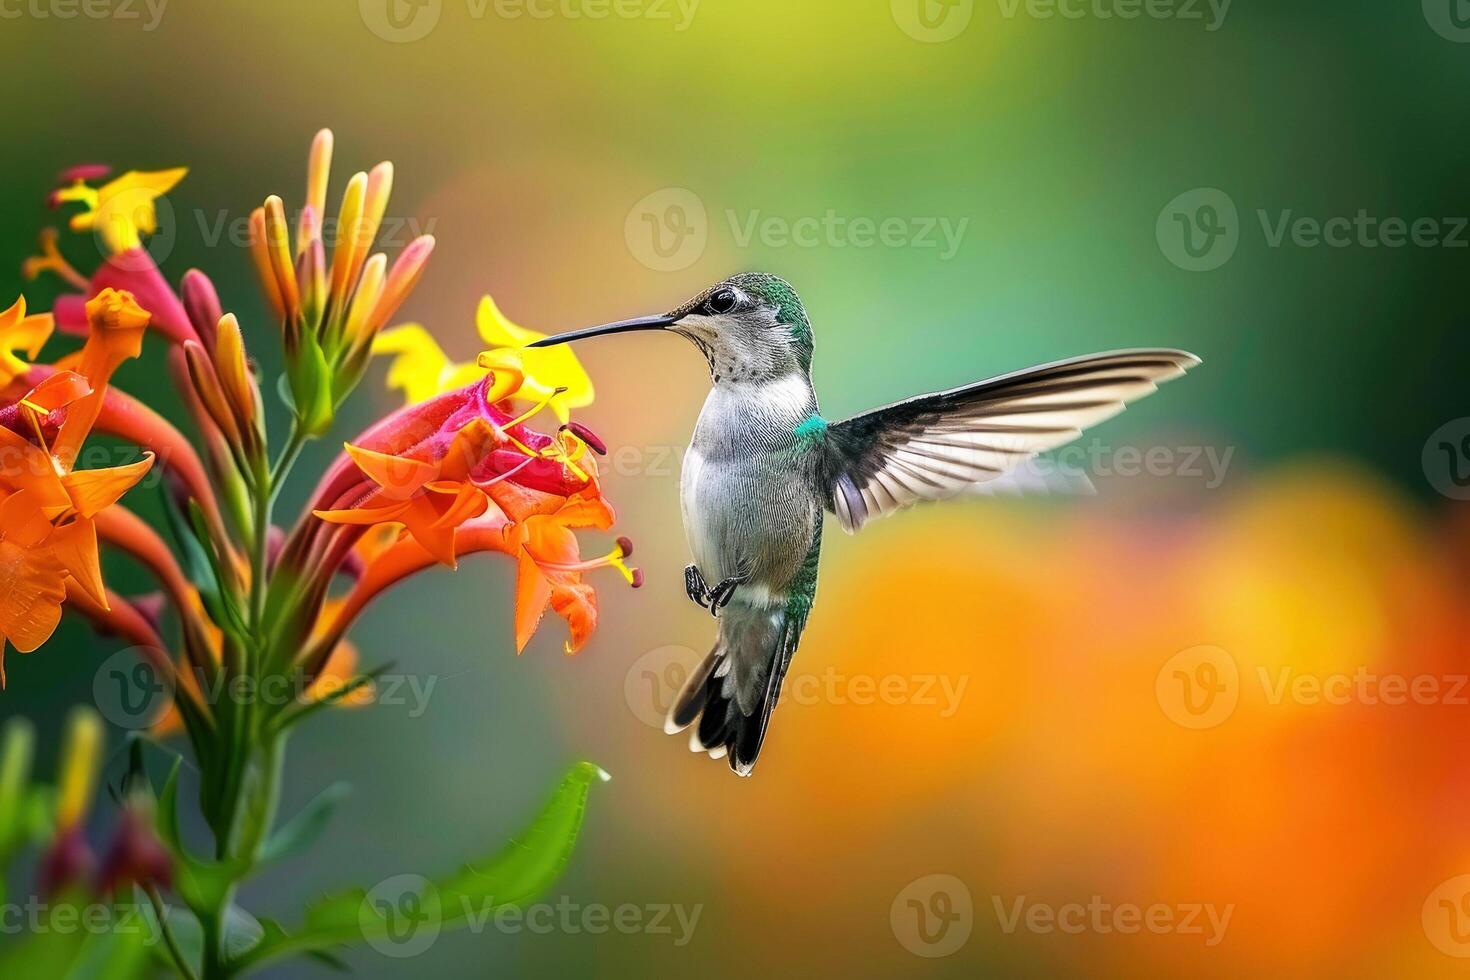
723	301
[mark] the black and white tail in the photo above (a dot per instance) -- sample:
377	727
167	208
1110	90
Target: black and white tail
729	698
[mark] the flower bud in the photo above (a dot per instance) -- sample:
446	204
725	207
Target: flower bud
401	280
349	224
278	249
260	254
234	375
318	171
201	303
134	855
211	396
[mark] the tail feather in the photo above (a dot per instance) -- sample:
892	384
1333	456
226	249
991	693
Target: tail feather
729	698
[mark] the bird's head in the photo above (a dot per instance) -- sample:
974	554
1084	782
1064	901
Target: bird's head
750	327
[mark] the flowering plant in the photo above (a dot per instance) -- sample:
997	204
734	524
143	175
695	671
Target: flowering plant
247	604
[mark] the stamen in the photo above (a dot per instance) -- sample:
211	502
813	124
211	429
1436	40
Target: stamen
531	412
51	260
482	484
613	559
587	436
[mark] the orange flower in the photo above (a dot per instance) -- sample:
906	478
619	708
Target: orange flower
431	499
46	526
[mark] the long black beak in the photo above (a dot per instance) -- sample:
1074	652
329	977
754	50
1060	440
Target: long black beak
621	326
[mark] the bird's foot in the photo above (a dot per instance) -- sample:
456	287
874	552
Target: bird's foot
720	595
695	586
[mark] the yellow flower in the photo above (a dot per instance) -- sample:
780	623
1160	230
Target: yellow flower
19	332
545	369
121	211
419	366
422	370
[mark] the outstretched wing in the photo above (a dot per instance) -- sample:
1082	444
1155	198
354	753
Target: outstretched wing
935	446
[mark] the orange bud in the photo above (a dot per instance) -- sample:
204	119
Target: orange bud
369	289
349	224
278	247
207	387
318	170
401	280
260	253
234	373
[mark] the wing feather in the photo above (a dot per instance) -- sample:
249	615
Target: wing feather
935	446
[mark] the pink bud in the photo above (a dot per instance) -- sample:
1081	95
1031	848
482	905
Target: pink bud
201	303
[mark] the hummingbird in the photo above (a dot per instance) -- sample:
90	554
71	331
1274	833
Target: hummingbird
764	469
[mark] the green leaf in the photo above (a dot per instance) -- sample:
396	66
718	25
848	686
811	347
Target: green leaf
200	561
526	867
311	386
201	884
304	828
118	955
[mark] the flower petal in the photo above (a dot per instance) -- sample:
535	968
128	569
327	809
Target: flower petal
74	545
400	476
533	592
93	490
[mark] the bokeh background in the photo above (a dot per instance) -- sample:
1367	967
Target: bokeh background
996	690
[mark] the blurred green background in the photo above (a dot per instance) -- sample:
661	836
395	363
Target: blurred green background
555	156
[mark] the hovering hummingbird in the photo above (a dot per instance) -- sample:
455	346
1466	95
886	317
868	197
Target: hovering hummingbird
764	468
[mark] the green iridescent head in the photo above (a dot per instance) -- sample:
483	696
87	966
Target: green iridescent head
750	328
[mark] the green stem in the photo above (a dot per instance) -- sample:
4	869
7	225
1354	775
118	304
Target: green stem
287	459
160	912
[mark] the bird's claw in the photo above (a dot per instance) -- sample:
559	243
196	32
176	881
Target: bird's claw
720	595
695	586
